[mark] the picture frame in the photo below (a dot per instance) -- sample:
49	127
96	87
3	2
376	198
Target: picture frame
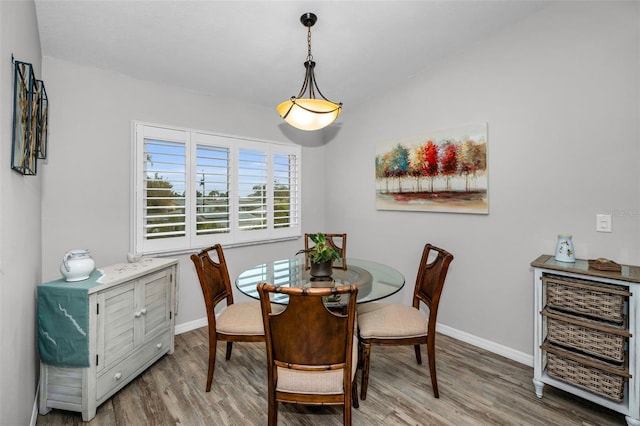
25	112
42	125
442	171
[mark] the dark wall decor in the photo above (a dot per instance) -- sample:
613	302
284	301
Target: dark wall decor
43	120
30	120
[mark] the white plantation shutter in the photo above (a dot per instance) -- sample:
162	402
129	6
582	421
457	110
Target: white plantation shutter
212	194
165	179
160	190
194	189
286	189
252	189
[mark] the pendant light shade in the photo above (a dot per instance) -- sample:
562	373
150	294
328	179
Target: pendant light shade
309	113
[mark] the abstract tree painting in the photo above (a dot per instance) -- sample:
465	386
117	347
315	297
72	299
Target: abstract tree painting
442	171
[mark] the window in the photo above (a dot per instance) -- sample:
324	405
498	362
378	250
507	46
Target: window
193	189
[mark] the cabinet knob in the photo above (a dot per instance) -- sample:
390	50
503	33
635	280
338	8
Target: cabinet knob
137	314
143	311
159	346
117	376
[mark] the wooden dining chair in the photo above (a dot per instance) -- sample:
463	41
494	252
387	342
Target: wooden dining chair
396	324
337	241
237	322
311	350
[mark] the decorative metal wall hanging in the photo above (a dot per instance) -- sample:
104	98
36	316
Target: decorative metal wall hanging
43	120
30	119
25	112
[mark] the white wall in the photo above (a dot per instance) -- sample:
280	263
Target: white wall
20	228
86	202
560	94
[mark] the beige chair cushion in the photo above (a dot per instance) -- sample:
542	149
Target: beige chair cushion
240	318
316	382
391	321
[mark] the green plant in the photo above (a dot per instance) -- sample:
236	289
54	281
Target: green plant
322	251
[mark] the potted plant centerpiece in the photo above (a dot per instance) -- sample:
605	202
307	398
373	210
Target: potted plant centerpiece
321	255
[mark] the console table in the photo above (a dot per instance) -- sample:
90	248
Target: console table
97	335
586	333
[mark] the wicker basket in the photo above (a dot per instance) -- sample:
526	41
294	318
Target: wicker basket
605	302
608	346
589	378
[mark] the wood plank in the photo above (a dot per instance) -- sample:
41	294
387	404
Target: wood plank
477	387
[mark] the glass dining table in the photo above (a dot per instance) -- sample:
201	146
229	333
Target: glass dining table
375	281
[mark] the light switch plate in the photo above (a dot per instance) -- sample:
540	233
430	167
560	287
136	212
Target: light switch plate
603	223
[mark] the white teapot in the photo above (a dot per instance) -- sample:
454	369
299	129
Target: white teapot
77	265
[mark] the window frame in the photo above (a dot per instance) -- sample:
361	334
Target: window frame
192	139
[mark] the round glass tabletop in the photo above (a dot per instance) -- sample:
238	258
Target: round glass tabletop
375	281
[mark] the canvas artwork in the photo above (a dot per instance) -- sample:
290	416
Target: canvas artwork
441	171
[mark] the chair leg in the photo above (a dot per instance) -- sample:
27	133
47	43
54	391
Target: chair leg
431	353
366	354
273	409
418	354
354	393
212	359
229	347
347	414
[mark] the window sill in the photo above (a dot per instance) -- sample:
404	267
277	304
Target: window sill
169	253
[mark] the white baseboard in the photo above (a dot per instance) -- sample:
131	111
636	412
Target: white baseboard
191	325
501	350
34	412
496	348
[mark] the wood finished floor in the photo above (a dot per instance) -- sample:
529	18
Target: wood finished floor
476	388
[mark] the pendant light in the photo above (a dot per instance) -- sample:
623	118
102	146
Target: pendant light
309	113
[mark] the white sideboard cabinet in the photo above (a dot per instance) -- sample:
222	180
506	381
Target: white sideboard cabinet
131	323
586	333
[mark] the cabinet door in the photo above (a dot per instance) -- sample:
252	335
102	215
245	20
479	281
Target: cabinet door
116	324
155	303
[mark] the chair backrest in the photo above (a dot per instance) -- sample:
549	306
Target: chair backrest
214	277
430	281
307	335
337	241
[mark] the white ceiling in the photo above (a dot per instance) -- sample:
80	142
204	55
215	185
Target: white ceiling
254	51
